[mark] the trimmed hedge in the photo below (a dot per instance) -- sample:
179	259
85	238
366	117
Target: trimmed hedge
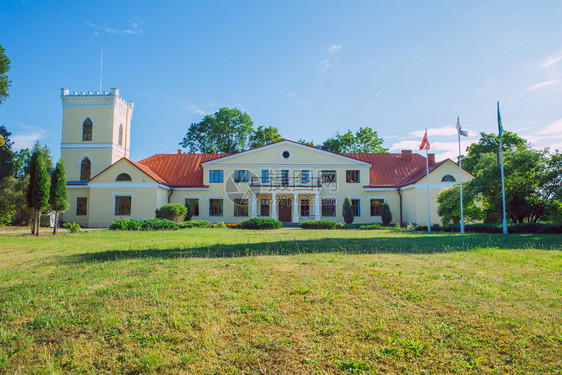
171	211
524	228
434	228
372	227
260	223
321	224
147	224
195	224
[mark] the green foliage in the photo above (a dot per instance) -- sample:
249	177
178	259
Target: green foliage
434	228
321	224
171	211
449	210
386	215
13	202
39	183
188	213
6	154
260	223
220	224
21	161
225	131
365	140
144	224
195	224
263	136
489	144
371	227
347	211
57	197
4	81
72	227
352	365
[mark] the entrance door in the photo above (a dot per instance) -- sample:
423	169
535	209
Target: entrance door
285	210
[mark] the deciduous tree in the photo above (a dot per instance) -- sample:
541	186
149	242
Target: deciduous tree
365	140
4	81
449	206
6	153
263	136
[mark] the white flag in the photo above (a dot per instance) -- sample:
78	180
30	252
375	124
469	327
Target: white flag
464	133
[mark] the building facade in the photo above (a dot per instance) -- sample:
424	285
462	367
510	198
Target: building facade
286	180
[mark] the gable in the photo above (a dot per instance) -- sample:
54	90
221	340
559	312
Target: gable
437	172
138	173
286	153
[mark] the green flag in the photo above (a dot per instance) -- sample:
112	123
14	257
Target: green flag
500	126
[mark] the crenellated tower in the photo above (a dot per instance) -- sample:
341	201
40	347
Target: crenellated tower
95	132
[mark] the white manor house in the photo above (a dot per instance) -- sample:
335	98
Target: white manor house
286	180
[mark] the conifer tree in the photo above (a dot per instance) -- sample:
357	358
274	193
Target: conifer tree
38	191
347	211
57	198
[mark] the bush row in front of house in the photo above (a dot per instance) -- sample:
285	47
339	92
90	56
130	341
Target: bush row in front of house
260	223
522	228
321	224
144	224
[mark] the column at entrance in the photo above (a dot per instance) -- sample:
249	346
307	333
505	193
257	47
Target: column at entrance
274	205
316	207
295	208
254	205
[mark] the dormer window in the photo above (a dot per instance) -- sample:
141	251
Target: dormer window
87	127
123	177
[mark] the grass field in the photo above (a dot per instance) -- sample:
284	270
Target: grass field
285	301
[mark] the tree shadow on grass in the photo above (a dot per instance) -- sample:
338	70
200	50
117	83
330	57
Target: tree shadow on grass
391	245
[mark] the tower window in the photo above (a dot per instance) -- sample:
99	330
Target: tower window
85	169
123	177
120	135
87	127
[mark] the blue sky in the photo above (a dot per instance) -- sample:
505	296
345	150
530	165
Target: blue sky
302	66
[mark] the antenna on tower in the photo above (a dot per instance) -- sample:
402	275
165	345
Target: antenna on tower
101	67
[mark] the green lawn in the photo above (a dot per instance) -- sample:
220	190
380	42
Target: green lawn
285	301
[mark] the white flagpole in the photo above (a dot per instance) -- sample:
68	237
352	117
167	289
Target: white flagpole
427	180
504	222
460	172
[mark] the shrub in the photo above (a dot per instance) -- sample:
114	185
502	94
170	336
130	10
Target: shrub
421	228
321	224
219	225
347	211
535	228
371	227
233	226
386	215
148	224
260	223
72	227
195	224
171	211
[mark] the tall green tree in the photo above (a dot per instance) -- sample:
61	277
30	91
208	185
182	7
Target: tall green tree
263	136
489	144
225	131
4	81
13	206
57	197
365	140
6	153
347	211
21	163
39	188
449	206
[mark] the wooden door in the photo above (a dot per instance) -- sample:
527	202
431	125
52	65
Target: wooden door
285	210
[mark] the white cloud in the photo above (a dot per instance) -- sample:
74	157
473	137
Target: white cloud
335	48
326	63
136	28
443	131
542	85
553	130
27	138
551	60
196	109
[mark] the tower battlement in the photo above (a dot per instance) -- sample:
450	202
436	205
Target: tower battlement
94	98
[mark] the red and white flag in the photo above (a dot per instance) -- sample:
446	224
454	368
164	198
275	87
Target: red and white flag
425	142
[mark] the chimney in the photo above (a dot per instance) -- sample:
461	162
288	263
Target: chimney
430	159
406	155
180	152
114	91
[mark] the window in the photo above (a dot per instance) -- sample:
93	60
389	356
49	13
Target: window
123	177
216	176
241	176
356	205
215	207
85	169
286	154
122	205
328	176
305	207
193	205
81	206
240	207
328	207
264	207
264	176
285	177
352	176
121	135
304	177
87	127
376	205
448	178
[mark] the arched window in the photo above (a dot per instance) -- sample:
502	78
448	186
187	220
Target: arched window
85	169
121	135
87	127
448	178
123	177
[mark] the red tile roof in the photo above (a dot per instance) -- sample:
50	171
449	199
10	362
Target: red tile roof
391	170
179	170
